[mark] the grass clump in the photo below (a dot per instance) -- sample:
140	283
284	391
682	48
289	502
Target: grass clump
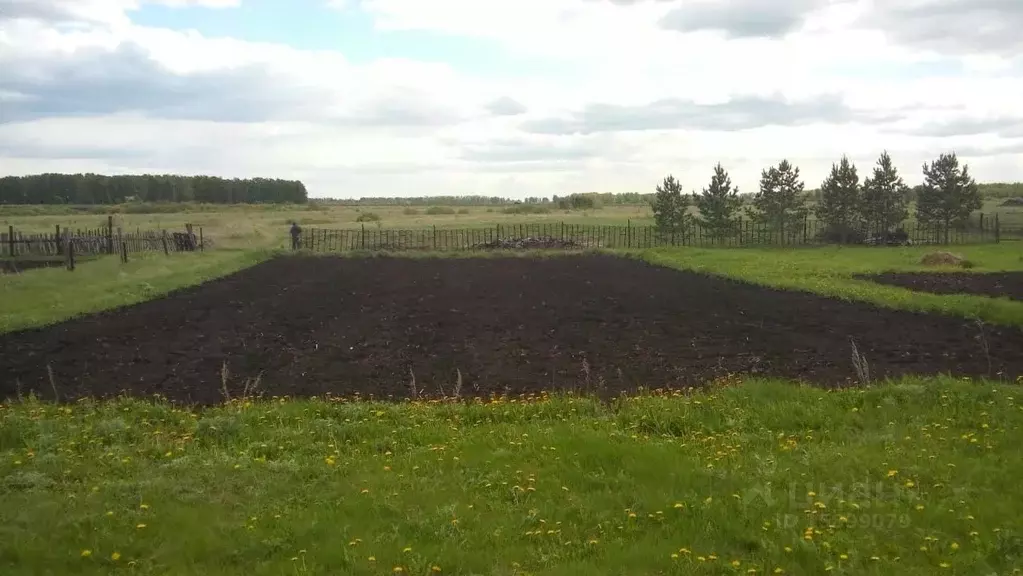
440	211
368	217
526	209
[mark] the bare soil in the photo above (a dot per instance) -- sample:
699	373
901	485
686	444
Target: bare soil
1007	284
308	326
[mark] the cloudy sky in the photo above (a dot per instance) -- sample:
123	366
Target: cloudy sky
509	97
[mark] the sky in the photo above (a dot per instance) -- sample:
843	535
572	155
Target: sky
513	98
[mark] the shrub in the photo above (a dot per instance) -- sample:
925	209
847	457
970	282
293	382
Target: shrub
368	217
410	211
440	210
526	209
463	210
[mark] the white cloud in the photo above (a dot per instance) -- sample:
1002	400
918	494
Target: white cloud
655	86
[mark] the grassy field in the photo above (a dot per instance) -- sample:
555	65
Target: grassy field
43	296
828	270
247	226
746	477
915	477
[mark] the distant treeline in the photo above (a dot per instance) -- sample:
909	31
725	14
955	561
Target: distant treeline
583	200
99	189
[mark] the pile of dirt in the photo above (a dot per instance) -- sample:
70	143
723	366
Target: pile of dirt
945	259
529	243
1013	202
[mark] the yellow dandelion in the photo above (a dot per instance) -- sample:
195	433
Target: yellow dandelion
140	526
143	506
843	556
674	556
372	558
365	491
86	553
875	558
435	568
788	549
407	549
110	512
736	563
892	473
397	569
115	556
593	542
955	546
944	564
779	571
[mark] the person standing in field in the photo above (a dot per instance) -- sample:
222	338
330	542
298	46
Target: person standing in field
296	234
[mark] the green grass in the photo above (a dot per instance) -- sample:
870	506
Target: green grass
47	295
916	477
829	270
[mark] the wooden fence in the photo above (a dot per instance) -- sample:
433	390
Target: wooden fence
585	236
97	241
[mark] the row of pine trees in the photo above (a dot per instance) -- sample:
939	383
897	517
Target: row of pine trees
849	207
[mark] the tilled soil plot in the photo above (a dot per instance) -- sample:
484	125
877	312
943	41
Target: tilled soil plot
316	325
1008	284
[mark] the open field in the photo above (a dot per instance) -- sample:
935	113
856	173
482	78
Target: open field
400	327
995	284
248	226
740	475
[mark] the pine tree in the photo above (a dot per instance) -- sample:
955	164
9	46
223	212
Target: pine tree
884	197
948	195
779	203
719	205
840	200
671	208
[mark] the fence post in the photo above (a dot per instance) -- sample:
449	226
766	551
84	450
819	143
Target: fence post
166	251
110	234
56	238
435	237
70	253
628	233
10	240
202	244
363	236
998	231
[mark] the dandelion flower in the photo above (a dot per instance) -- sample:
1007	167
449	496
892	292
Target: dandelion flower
86	553
736	563
955	545
115	556
143	506
140	526
892	473
397	570
372	559
407	549
435	568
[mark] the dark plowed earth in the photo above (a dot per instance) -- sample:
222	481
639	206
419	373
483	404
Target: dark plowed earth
1009	284
309	326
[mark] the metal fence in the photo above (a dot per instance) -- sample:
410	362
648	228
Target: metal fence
587	236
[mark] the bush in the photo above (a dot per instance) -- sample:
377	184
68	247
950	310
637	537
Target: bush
440	210
410	212
368	217
526	209
463	210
